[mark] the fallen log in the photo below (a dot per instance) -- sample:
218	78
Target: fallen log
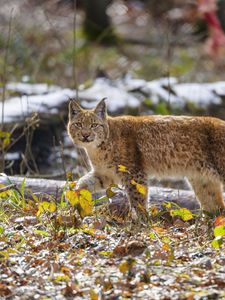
36	185
157	195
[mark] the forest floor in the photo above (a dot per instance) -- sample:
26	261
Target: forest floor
48	253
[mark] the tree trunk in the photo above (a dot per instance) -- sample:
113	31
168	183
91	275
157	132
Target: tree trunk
221	13
97	24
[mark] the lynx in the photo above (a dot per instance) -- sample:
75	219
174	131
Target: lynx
155	146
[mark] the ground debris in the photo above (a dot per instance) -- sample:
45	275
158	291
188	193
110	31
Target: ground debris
169	258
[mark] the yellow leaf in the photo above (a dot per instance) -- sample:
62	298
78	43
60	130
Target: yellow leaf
5	137
142	189
72	185
122	168
82	199
72	197
86	203
4	134
93	294
5	194
126	266
46	206
105	253
52	207
166	247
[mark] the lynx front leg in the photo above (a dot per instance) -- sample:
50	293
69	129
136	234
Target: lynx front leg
209	193
93	182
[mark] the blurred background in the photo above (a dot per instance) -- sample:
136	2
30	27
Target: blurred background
63	45
146	37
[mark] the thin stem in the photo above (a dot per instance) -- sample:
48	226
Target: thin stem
74	49
5	62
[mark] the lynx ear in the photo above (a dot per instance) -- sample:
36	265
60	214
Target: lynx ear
100	109
74	108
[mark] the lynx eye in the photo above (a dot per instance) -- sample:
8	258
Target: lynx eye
94	125
78	124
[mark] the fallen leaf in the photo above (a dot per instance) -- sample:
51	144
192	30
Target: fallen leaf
184	213
93	294
142	189
126	265
135	248
4	290
122	168
82	199
219	231
220	220
217	243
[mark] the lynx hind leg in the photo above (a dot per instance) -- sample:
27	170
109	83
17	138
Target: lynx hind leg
138	199
209	192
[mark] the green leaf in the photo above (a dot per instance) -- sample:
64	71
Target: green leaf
4	134
60	278
100	200
219	231
152	236
167	204
41	232
217	243
22	192
184	213
1	229
162	108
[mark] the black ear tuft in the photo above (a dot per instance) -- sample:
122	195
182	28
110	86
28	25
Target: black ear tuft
100	109
74	108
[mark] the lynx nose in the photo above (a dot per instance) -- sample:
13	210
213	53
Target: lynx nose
85	135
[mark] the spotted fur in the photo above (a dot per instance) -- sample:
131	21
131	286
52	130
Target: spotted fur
155	146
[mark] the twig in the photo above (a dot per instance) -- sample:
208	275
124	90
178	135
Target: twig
74	48
5	61
169	58
74	64
62	158
34	121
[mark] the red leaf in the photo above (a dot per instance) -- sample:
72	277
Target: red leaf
219	221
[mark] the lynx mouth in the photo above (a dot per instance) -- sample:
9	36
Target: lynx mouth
86	140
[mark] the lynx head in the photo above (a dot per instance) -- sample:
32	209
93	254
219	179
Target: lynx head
88	127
